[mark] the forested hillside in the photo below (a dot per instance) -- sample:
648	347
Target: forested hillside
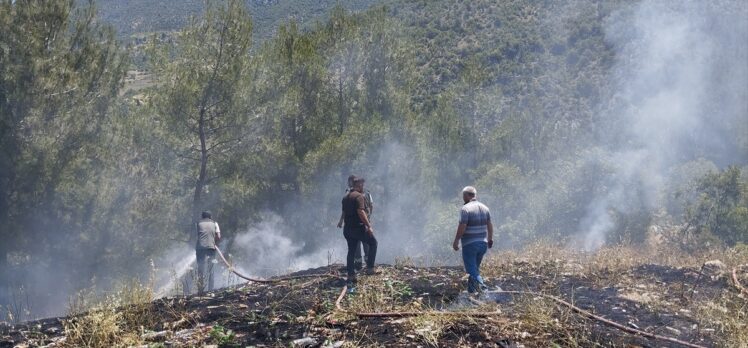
586	122
141	17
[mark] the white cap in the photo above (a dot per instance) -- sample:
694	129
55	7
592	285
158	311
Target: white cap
470	189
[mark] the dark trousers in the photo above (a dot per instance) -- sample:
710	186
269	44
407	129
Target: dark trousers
205	258
354	236
358	259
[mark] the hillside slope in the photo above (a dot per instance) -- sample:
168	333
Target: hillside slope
138	16
427	306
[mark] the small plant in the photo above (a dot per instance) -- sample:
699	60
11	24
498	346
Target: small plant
223	337
399	289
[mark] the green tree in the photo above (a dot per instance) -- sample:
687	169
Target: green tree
722	207
59	73
200	99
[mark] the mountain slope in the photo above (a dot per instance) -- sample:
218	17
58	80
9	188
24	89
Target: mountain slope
142	16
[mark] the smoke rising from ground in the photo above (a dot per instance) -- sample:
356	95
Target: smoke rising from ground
679	82
267	248
676	93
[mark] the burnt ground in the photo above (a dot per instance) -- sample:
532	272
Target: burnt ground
656	299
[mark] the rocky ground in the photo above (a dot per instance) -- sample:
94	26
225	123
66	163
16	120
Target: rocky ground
700	305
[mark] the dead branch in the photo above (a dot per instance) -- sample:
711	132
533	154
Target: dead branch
606	321
486	314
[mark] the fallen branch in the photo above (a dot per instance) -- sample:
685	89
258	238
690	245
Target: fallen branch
274	280
735	280
606	321
487	314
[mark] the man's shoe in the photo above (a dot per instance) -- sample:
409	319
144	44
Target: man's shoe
351	285
373	271
472	285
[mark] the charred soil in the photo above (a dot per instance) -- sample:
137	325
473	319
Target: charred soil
700	305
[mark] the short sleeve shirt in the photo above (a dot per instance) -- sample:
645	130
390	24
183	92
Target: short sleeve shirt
476	216
352	202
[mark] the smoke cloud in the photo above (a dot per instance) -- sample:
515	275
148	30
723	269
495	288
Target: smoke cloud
679	82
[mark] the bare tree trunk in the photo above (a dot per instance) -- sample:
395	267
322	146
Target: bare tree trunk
202	176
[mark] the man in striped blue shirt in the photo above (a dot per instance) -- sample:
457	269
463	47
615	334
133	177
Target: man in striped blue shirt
475	232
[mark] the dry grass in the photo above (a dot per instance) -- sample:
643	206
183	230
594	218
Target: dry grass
429	328
728	316
611	259
113	320
120	318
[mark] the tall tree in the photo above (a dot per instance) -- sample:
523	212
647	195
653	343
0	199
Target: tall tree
59	73
200	98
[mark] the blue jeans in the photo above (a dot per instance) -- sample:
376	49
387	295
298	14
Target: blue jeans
472	255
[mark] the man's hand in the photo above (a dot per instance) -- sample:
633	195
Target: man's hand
370	231
490	243
460	232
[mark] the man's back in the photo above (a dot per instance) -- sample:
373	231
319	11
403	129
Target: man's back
206	234
352	202
476	216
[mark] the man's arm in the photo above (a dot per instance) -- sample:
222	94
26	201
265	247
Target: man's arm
340	222
362	215
460	232
490	234
218	233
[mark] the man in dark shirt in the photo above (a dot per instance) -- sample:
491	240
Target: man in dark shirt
357	229
208	235
358	260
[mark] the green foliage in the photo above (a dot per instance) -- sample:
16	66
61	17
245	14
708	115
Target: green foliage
137	17
200	101
60	73
422	97
722	206
222	337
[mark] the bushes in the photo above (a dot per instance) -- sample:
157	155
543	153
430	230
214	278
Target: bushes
721	208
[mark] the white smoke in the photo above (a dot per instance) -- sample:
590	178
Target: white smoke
680	81
268	248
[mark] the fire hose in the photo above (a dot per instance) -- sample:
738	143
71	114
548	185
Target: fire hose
274	280
555	299
574	308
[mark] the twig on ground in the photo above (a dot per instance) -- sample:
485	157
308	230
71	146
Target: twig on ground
606	321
